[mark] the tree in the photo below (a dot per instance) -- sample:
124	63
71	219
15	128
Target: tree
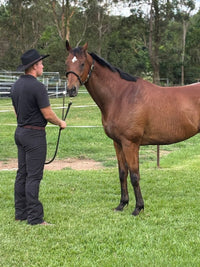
98	22
127	45
63	13
192	50
184	9
157	16
160	14
22	27
141	44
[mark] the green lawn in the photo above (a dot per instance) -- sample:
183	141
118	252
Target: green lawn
87	232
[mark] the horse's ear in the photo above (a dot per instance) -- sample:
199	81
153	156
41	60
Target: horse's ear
85	46
68	45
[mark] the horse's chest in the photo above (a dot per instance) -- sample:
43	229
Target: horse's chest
120	125
111	129
115	130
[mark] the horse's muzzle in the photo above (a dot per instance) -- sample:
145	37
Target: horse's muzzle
72	92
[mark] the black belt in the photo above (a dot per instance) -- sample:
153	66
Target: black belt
34	127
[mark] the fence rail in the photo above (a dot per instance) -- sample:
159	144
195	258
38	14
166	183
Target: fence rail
55	86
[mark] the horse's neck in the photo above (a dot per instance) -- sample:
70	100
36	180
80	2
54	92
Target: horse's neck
100	89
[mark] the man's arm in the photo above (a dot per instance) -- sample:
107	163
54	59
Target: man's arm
50	116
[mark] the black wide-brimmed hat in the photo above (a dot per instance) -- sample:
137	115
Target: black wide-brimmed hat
29	58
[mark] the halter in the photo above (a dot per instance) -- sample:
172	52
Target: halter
79	78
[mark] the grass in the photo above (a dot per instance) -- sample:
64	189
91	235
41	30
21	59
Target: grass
87	232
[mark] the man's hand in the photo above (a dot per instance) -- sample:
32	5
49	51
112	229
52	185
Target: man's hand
63	125
50	116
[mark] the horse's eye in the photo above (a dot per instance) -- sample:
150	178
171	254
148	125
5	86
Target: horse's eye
82	65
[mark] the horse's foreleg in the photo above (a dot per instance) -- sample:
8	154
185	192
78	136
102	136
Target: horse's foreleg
138	195
123	173
131	152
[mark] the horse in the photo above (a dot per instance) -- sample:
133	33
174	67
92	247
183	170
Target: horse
134	112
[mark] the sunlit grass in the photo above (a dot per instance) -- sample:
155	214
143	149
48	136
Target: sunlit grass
87	232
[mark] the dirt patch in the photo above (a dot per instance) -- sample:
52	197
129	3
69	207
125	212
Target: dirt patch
75	164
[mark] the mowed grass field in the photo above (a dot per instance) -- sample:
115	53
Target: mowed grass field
86	230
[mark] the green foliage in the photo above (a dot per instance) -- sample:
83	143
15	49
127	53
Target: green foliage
126	47
193	48
123	41
170	54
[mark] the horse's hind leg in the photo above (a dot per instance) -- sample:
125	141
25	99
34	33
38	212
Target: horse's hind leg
123	173
131	152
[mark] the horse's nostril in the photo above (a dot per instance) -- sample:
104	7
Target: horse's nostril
72	92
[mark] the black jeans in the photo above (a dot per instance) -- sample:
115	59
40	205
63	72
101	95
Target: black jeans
32	148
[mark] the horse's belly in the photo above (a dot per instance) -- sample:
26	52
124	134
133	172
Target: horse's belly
153	129
169	134
162	141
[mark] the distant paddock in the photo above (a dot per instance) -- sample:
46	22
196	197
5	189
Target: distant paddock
54	84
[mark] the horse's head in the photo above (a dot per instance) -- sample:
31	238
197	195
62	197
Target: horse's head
77	68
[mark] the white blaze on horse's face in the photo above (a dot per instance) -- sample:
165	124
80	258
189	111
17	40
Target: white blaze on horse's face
74	59
73	83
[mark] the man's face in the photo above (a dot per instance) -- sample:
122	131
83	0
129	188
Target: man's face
39	68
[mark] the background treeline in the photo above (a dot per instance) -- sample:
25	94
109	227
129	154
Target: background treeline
160	39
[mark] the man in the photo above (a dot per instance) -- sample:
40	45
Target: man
33	111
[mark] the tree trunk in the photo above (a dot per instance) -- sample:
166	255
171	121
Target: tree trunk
154	40
63	24
185	26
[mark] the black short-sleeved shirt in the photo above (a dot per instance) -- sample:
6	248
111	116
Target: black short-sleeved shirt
28	97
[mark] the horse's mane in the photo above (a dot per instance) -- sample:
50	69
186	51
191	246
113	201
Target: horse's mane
104	63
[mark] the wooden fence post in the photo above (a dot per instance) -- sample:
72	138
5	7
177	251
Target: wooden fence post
158	156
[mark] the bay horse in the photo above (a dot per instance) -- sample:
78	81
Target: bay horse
134	112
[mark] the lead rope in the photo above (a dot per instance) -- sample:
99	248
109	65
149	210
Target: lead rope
59	133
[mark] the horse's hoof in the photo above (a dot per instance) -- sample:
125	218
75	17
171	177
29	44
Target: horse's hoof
137	211
121	206
116	210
